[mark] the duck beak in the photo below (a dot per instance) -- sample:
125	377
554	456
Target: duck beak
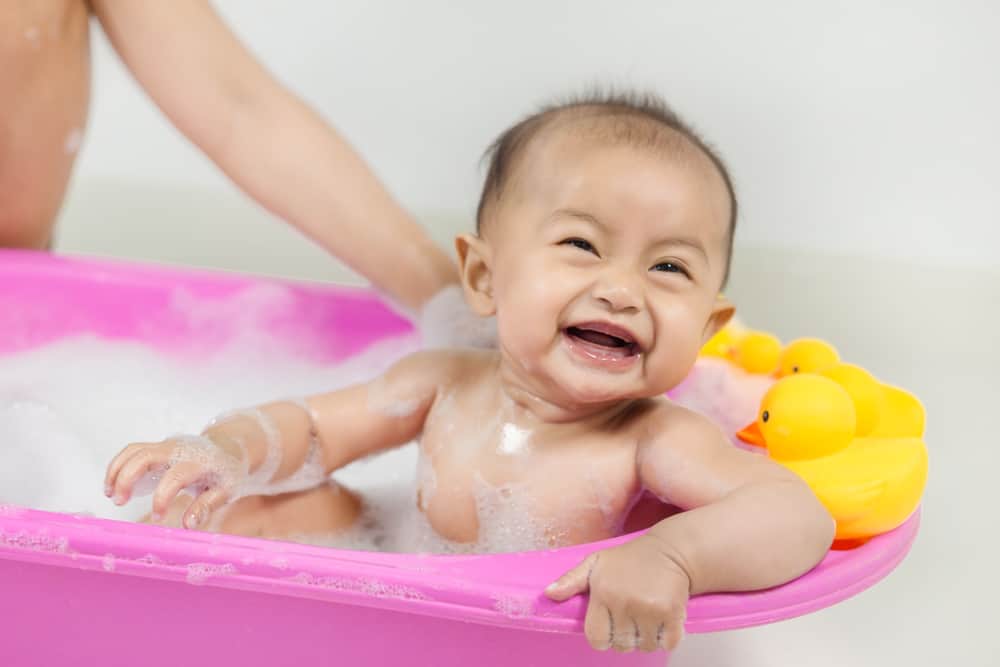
751	435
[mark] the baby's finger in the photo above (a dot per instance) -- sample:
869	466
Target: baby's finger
649	634
574	582
117	463
179	477
598	625
625	634
137	466
201	509
671	633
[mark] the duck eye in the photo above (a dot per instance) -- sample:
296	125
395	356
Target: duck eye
764	417
795	369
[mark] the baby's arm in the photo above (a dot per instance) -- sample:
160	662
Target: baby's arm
271	143
750	524
267	450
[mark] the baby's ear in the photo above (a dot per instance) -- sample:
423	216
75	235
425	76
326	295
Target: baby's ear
475	268
722	311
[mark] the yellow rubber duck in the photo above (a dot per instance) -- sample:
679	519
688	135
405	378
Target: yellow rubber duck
902	414
864	390
807	355
870	485
757	352
722	344
882	410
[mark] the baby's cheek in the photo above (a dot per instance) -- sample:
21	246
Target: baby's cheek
676	357
528	309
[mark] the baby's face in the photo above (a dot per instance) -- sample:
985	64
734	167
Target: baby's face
606	264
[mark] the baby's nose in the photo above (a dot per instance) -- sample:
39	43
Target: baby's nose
619	292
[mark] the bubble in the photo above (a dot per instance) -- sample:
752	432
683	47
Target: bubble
426	479
144	396
67	408
34	542
272	442
147	483
509	520
199	573
514	607
149	559
391	402
446	321
62	426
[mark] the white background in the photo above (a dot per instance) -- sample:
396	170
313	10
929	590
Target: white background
858	127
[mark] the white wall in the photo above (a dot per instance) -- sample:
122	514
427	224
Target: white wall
853	127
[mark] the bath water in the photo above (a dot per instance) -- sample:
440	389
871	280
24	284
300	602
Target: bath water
68	407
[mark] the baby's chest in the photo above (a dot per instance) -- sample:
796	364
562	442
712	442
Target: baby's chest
510	489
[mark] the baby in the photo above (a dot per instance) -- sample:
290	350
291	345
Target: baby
603	240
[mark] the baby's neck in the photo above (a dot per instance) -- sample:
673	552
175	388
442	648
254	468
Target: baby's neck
524	403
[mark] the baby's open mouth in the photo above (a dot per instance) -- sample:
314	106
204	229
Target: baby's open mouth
607	339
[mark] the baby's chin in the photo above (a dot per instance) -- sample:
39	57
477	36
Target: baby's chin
606	390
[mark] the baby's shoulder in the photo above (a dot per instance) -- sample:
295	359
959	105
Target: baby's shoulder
448	367
665	423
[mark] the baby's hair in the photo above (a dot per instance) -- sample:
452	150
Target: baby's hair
637	119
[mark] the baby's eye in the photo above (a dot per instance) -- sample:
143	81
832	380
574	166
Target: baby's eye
581	244
670	267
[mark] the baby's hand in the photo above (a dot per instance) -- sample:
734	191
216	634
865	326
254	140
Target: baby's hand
180	462
638	596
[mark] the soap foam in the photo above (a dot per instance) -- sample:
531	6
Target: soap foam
68	407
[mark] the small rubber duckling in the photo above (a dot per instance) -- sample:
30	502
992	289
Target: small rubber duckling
881	409
803	417
757	352
870	485
721	345
865	391
807	355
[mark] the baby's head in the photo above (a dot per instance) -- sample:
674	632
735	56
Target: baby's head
603	240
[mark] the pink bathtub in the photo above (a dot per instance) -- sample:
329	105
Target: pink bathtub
88	591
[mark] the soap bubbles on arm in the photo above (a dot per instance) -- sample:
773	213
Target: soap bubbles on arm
175	464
